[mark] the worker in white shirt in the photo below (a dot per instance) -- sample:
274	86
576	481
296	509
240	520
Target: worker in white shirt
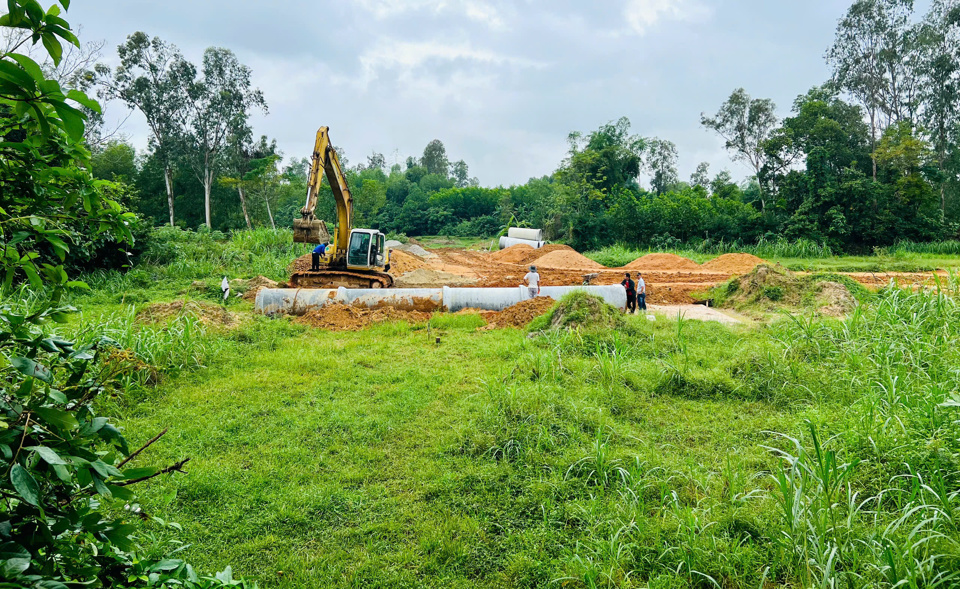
532	279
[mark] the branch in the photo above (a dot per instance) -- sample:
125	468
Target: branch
142	448
173	467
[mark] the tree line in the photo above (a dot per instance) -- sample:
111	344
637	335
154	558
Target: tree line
867	158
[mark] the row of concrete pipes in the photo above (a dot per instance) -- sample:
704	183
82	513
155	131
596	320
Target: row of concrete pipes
297	301
518	235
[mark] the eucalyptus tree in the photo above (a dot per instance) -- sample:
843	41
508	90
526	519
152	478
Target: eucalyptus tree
662	164
745	124
154	78
220	103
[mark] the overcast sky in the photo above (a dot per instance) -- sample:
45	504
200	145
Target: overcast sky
502	84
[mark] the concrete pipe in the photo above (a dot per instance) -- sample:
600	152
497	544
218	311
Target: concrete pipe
525	233
506	242
297	301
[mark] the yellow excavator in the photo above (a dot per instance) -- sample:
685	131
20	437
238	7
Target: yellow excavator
357	258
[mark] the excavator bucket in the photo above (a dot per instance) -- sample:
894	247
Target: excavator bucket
310	231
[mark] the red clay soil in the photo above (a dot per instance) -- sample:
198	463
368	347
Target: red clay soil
518	315
513	254
567	259
734	263
340	317
401	262
535	255
662	262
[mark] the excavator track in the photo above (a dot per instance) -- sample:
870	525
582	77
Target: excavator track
338	278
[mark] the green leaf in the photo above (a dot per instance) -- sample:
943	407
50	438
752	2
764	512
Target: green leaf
137	473
122	493
31	67
72	119
29	367
78	284
81	98
25	484
101	487
48	455
18	75
15	559
54	48
65	3
105	470
56	417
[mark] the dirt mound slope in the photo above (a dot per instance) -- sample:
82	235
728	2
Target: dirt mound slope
535	255
733	263
513	254
401	262
773	287
581	310
567	258
208	314
662	262
424	278
255	285
518	315
340	317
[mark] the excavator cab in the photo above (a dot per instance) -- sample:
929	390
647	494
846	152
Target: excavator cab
366	250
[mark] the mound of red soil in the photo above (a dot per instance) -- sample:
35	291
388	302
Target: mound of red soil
518	315
401	262
733	263
513	254
662	262
567	258
341	317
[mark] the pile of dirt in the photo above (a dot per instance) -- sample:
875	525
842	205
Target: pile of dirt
773	287
255	285
416	250
208	314
301	264
340	317
581	310
424	278
662	262
567	258
518	315
733	263
513	254
401	262
535	255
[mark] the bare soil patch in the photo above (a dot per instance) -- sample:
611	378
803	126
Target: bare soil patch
340	317
567	258
734	263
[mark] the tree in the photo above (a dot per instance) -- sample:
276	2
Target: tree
745	124
117	160
220	104
662	164
939	44
376	161
435	158
154	78
870	58
460	174
701	176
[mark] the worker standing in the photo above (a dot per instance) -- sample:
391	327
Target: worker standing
631	287
317	252
641	292
532	279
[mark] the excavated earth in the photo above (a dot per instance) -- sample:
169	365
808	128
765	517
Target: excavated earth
670	279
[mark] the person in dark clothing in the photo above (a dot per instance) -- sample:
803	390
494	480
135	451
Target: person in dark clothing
631	289
317	252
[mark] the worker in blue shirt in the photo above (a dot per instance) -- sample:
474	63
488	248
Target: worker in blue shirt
317	252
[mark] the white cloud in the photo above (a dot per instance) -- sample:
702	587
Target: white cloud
406	56
642	15
475	10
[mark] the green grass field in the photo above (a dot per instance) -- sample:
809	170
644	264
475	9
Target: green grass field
663	454
797	452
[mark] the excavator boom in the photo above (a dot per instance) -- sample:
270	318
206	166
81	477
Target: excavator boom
325	162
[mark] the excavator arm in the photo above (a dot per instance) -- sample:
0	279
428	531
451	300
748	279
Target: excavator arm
309	229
